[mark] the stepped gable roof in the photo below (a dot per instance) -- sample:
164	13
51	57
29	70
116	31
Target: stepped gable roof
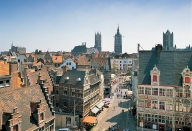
57	59
170	64
83	60
33	77
21	98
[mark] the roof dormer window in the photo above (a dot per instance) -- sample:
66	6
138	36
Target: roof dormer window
154	77
187	79
186	76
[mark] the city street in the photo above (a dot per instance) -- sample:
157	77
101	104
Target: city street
117	113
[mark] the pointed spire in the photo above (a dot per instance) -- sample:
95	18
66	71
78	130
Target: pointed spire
118	29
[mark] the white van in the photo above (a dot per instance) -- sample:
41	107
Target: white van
64	129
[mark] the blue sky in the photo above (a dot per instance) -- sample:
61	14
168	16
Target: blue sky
59	25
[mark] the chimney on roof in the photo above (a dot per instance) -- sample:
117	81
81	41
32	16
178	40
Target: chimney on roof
158	48
65	68
25	77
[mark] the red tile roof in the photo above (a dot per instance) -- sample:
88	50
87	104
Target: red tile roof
4	68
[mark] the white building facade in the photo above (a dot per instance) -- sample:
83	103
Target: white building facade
69	62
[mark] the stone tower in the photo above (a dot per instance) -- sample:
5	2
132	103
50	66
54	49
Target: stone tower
168	40
98	41
118	42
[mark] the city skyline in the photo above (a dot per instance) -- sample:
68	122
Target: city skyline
62	25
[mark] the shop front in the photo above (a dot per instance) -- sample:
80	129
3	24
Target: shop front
169	127
162	127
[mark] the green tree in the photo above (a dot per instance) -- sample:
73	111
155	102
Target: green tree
40	52
36	51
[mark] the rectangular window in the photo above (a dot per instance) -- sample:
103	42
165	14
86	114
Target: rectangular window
169	106
141	103
154	91
179	106
169	119
1	84
41	116
161	92
179	92
186	93
154	78
7	83
147	103
65	92
140	116
187	79
140	90
169	92
68	121
72	93
148	91
186	107
155	104
162	105
147	117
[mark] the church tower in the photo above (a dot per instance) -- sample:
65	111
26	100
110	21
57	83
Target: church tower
118	42
168	40
98	41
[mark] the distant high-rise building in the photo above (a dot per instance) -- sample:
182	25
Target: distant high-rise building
98	41
168	40
18	49
118	42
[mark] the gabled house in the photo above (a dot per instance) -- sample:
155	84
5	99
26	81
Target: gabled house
69	63
48	58
20	58
31	57
57	60
83	62
100	63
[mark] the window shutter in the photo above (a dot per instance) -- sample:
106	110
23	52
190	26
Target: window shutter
187	79
154	78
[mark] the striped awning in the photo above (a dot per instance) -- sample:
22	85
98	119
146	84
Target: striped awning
100	105
95	110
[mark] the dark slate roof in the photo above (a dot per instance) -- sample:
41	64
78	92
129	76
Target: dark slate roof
171	64
80	48
21	98
75	74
